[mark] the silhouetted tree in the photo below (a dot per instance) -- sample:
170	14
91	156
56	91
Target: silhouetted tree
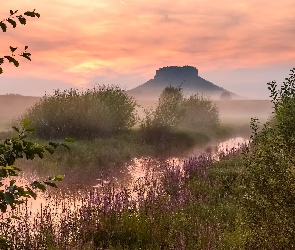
225	96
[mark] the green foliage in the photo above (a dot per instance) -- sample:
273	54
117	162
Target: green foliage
199	114
170	108
174	113
11	20
99	111
269	199
196	208
16	148
157	127
19	147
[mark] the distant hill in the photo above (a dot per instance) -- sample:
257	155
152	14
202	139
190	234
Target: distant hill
12	106
187	77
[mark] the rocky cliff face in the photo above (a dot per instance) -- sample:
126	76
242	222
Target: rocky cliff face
187	77
176	74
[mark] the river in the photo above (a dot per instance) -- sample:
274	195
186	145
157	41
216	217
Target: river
146	168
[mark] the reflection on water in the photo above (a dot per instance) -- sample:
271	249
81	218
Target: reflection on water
146	168
140	167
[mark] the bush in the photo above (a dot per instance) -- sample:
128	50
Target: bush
158	123
269	199
170	108
199	114
99	111
176	113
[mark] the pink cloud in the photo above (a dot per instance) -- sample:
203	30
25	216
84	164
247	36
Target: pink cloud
74	41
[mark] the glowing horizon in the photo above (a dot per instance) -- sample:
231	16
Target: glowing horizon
76	42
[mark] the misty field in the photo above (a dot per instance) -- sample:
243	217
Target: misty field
235	197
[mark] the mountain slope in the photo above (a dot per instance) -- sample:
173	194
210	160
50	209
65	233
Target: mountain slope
187	77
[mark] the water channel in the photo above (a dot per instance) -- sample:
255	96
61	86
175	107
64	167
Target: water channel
130	174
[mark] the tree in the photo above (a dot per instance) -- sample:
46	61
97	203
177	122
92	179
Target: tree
159	122
199	114
170	108
18	147
269	199
225	96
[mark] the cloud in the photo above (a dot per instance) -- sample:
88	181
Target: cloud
76	42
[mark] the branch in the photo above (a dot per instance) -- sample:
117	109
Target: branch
11	58
11	19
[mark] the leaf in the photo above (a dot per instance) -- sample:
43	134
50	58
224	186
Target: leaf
11	12
1	60
49	149
22	20
26	55
12	22
69	139
12	60
30	129
32	193
21	137
25	122
37	184
15	128
58	177
52	184
15	217
3	207
16	168
1	70
9	198
37	15
65	145
29	13
40	154
3	26
54	144
12	182
12	49
26	47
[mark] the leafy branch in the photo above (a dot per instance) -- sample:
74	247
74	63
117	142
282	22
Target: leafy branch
13	149
12	20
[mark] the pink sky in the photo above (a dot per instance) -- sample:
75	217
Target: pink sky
238	45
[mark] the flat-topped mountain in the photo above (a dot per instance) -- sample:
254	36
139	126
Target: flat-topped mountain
187	77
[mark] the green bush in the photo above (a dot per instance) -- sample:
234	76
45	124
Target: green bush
175	113
158	123
100	111
199	114
269	199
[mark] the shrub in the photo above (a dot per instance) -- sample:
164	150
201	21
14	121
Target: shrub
269	199
100	111
199	114
158	123
170	108
175	112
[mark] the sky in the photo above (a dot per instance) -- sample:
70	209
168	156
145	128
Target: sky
238	45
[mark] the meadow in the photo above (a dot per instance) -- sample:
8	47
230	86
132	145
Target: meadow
213	200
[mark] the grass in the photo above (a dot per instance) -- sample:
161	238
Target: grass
194	208
93	157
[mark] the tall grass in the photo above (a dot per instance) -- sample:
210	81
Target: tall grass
192	206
